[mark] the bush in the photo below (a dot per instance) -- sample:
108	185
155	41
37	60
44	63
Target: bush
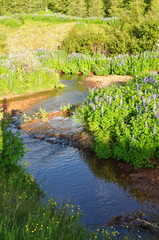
124	121
124	37
86	39
11	146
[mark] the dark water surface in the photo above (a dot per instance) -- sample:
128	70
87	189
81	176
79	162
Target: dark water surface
69	174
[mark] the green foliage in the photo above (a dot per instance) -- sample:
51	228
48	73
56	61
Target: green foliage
58	6
22	73
124	121
96	8
12	21
86	39
66	108
21	6
99	64
77	8
42	114
129	35
11	146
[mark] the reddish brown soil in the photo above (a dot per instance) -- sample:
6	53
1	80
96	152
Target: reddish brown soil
10	105
101	81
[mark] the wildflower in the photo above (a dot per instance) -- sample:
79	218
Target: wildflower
154	131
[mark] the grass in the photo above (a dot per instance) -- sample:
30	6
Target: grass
35	35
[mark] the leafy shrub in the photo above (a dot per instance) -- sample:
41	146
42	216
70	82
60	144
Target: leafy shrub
124	37
124	121
11	146
87	39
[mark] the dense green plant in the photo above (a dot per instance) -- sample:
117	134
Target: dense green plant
99	64
11	146
42	114
77	8
21	6
95	8
66	108
58	6
130	35
86	39
124	121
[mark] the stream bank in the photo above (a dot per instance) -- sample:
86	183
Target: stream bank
103	188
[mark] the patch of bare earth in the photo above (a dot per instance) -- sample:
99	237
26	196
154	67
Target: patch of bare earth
101	81
9	105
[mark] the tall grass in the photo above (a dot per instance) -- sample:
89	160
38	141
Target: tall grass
21	72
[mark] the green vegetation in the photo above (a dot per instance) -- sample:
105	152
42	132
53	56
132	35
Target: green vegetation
66	108
128	35
21	72
124	121
100	64
42	114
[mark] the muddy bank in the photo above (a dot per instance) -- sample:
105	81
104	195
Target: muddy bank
22	103
94	81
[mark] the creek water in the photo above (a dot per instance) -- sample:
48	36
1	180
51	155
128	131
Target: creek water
77	176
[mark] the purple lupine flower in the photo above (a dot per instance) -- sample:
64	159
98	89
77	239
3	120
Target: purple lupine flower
133	138
133	98
122	121
140	111
145	91
146	109
121	103
146	125
102	111
154	106
94	108
143	101
110	100
154	131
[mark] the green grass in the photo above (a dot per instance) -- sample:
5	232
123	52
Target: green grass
22	73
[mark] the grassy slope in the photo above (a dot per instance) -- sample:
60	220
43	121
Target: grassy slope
34	35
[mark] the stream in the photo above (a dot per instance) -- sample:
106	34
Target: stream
77	176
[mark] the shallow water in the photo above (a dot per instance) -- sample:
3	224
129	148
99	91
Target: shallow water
69	174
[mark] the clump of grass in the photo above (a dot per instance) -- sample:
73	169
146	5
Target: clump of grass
66	108
23	58
22	73
42	114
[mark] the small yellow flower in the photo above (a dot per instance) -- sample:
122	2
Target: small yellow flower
44	214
